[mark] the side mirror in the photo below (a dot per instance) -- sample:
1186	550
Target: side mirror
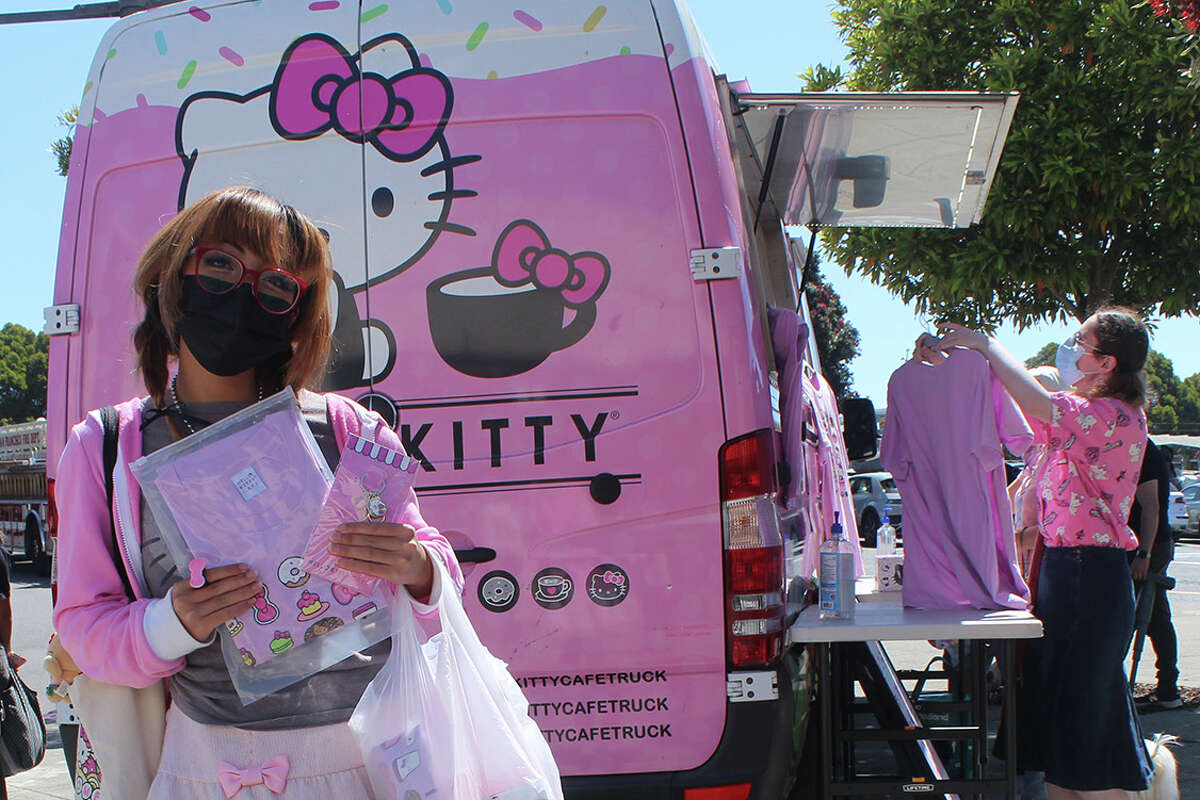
860	431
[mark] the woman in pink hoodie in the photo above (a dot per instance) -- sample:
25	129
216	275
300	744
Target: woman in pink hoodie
235	292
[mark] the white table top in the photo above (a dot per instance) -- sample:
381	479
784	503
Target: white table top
886	621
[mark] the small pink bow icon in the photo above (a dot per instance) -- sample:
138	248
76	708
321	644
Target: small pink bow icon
272	774
523	255
319	86
614	578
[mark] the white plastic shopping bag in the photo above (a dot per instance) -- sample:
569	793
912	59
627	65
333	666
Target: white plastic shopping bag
445	720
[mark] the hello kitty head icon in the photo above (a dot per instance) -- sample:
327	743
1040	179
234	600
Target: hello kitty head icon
348	139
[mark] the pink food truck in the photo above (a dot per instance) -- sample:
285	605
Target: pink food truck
557	231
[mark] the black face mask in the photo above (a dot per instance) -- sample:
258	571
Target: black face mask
231	333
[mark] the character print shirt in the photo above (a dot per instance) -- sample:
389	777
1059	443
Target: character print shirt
1086	492
944	439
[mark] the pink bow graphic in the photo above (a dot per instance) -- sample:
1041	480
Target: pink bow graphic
614	578
272	774
319	86
523	254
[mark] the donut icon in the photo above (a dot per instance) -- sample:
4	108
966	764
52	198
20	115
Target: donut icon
498	591
291	573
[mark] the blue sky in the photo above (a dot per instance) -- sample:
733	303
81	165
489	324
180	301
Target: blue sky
768	41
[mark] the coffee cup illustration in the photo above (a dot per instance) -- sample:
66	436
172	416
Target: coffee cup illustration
552	588
505	319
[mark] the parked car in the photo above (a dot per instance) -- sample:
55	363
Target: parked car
873	492
1191	498
1177	512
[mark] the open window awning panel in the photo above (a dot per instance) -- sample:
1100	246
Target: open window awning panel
902	159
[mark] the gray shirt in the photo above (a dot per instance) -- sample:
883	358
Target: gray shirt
203	689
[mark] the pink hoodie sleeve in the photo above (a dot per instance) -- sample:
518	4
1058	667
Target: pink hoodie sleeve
98	625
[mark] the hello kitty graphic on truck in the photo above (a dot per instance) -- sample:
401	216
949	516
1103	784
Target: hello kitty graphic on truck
319	88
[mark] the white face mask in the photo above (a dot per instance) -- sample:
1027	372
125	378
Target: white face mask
1067	361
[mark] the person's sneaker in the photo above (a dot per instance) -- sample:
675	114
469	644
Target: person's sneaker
1152	700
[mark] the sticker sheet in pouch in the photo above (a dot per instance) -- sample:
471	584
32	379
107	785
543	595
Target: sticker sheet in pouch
371	484
249	489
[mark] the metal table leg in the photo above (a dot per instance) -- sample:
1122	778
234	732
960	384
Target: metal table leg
824	655
1010	716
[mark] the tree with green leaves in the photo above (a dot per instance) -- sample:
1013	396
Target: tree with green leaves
23	359
837	340
60	148
1096	199
1044	357
1174	405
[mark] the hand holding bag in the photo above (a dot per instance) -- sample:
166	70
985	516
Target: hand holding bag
22	731
444	714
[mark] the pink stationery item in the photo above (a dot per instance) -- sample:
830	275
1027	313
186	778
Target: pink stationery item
403	766
272	774
370	485
196	573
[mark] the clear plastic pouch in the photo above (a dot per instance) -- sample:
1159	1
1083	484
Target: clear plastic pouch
371	484
249	489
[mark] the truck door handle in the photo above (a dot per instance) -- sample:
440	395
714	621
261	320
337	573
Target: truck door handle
475	555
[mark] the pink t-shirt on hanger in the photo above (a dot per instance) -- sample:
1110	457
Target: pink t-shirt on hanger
943	441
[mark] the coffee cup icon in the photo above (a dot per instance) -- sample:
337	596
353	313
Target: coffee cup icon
502	320
552	588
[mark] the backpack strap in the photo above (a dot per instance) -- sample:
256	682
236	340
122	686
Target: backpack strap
112	427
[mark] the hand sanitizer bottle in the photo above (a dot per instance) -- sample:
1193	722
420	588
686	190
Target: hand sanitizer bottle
837	574
885	542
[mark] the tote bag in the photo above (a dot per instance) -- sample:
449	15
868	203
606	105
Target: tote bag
22	731
444	714
125	725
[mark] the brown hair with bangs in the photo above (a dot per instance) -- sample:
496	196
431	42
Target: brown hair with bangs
1121	333
276	233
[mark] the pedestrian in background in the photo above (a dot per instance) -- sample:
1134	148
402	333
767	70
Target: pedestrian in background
1156	549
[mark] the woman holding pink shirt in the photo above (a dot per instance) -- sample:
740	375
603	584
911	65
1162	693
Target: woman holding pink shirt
1076	717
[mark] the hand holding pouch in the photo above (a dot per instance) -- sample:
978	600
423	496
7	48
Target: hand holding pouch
371	485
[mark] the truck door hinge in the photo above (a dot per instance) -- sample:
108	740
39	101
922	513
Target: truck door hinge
716	262
752	687
61	319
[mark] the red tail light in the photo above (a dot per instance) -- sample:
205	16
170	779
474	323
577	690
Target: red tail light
52	538
737	791
754	606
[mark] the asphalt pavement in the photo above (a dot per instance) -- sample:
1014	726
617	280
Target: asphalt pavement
31	631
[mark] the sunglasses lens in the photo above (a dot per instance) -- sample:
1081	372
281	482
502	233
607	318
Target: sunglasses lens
218	272
277	291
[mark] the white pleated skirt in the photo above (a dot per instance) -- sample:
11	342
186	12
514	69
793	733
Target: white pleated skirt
325	761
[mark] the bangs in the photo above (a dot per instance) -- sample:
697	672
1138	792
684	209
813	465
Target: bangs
275	232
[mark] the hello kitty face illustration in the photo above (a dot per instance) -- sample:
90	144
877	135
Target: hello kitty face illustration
311	137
